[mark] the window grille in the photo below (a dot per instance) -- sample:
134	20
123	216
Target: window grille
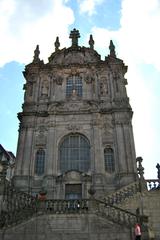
40	161
75	153
74	86
109	160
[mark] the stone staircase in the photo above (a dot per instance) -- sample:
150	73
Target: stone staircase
123	194
17	207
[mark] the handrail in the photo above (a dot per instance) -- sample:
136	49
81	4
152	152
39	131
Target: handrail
16	206
116	214
123	194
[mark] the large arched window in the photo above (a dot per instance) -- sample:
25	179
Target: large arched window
74	153
109	160
39	162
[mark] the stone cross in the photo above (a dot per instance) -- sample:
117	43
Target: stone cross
74	35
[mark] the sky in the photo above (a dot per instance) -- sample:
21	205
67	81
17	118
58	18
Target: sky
133	25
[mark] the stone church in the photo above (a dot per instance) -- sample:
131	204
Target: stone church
76	174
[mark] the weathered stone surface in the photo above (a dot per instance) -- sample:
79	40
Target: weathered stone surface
80	227
78	94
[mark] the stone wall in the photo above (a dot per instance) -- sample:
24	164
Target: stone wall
67	227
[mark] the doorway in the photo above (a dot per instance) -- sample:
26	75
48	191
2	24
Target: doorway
73	191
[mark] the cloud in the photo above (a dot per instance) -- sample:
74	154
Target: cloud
24	24
138	38
137	43
89	6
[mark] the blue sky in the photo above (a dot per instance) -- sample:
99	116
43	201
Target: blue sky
132	25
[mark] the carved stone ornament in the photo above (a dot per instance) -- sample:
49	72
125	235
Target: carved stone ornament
121	102
73	127
59	80
45	89
41	136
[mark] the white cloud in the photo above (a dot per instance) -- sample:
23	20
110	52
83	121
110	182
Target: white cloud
27	23
138	36
137	43
89	6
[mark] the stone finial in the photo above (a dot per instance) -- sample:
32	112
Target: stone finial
112	49
140	168
74	35
158	170
92	191
91	42
36	54
57	44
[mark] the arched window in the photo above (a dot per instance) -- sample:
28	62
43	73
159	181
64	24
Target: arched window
74	86
109	160
74	153
39	162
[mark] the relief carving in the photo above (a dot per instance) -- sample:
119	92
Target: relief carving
45	89
107	126
41	138
73	127
89	79
59	80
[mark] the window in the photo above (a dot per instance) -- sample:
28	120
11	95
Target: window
73	191
75	153
39	163
74	86
109	160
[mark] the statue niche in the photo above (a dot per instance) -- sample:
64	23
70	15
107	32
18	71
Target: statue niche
45	89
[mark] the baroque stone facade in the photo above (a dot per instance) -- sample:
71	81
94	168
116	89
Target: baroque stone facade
76	172
79	95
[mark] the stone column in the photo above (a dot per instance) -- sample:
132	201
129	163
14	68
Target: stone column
50	164
20	152
120	149
27	152
130	154
98	165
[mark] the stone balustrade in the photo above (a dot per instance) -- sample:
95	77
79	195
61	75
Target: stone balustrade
66	206
153	184
117	215
122	194
16	206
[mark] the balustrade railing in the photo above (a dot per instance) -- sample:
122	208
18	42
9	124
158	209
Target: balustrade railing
16	206
66	206
117	215
123	194
153	184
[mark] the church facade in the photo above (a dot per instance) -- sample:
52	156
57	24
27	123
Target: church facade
76	173
76	123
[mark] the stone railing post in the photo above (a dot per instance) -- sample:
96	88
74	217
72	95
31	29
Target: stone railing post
41	200
140	169
144	227
93	205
